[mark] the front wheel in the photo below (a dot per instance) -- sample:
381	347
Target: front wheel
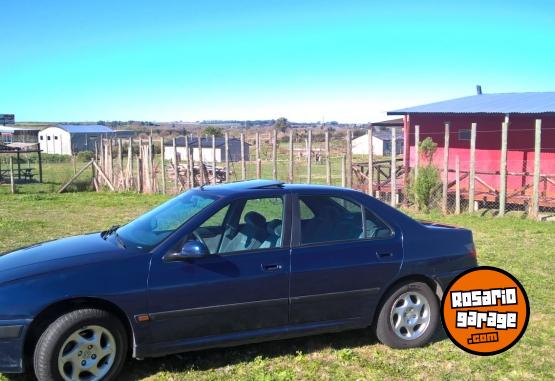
409	316
86	344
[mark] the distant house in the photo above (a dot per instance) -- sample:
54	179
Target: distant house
67	139
206	146
7	119
11	134
381	139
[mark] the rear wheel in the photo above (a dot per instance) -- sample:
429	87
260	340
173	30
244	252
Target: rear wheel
82	345
409	316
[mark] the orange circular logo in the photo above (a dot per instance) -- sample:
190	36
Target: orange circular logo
485	311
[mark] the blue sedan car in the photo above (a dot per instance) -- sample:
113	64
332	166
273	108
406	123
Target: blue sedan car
220	266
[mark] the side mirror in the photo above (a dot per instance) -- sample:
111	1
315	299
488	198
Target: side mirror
191	249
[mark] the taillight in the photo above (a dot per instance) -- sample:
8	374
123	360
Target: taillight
472	252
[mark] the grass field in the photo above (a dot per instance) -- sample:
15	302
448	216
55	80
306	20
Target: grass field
522	247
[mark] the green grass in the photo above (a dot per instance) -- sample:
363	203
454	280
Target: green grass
522	247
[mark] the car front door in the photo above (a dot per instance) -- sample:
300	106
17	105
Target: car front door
342	256
243	285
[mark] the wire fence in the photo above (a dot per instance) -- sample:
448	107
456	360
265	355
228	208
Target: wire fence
468	186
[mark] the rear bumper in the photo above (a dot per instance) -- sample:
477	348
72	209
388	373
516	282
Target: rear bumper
12	334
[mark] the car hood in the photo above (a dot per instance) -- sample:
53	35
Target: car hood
54	255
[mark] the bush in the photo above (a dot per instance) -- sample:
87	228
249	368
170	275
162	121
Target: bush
85	156
56	158
425	187
423	191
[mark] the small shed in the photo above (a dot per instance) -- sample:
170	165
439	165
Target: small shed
381	138
489	112
67	139
12	134
206	146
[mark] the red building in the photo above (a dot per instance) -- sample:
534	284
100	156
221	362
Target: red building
489	111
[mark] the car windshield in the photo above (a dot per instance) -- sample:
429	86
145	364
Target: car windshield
153	227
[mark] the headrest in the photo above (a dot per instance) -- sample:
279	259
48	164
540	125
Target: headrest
327	213
256	219
274	227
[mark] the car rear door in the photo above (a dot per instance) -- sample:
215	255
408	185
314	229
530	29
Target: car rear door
342	256
242	286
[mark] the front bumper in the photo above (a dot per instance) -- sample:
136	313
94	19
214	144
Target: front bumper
12	334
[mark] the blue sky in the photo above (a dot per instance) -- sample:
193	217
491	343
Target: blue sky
306	60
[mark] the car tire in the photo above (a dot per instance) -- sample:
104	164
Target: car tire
409	316
80	343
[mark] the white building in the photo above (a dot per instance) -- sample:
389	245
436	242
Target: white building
206	149
381	139
66	139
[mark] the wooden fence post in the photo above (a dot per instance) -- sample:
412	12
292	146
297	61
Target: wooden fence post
274	155
12	181
129	177
226	157
503	169
101	152
40	164
18	166
291	157
349	163
416	151
243	166
472	169
175	166
189	165
74	163
393	179
534	211
257	152
370	163
201	160
457	186
120	160
139	172
150	168
343	172
213	159
309	157
328	159
163	165
445	169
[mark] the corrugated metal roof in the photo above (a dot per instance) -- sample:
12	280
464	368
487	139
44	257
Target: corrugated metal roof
13	129
398	122
85	128
503	103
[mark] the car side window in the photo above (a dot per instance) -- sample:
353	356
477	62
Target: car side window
212	230
259	226
375	227
333	219
244	225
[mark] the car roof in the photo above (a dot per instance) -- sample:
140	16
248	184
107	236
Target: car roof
253	185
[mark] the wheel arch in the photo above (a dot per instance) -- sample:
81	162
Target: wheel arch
429	281
49	314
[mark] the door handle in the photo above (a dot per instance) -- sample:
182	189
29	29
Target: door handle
271	268
384	254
